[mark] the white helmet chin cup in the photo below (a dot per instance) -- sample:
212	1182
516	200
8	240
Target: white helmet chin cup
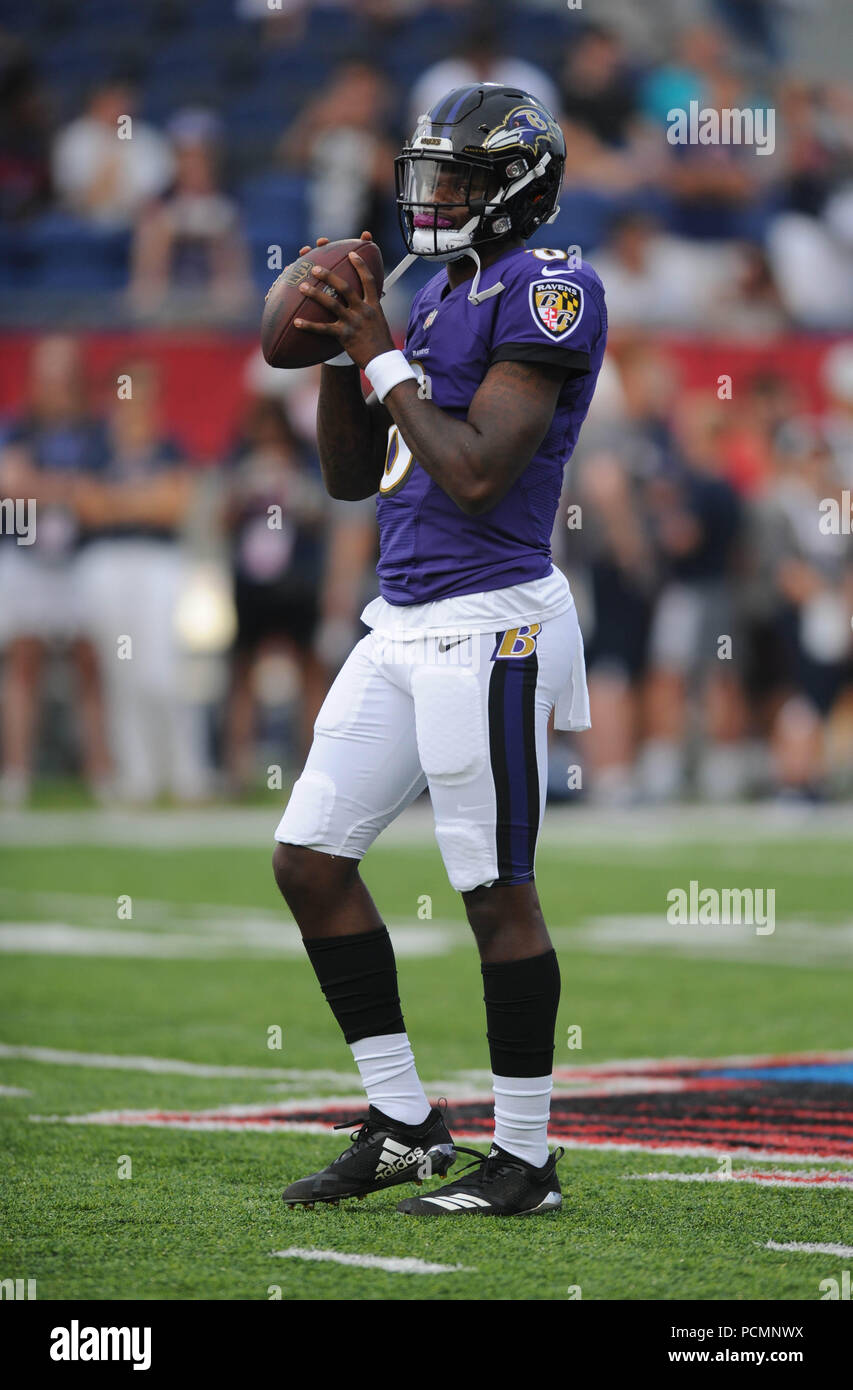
444	244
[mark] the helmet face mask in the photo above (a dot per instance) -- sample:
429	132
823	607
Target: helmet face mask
443	201
485	164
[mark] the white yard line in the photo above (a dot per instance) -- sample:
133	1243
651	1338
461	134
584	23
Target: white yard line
460	1084
844	1252
391	1264
648	1068
63	939
808	1179
651	1065
564	827
255	935
792	943
152	1119
166	1065
218	941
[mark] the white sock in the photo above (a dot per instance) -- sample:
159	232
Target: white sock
388	1074
522	1107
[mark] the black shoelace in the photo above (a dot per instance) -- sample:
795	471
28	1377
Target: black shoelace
361	1120
358	1136
492	1165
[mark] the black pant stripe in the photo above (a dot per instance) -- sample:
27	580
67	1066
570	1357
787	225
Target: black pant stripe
518	676
500	769
531	676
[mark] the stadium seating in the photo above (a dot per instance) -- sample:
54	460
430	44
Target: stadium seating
69	254
258	77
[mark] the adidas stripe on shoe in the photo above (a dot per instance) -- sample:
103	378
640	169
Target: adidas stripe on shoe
383	1153
495	1184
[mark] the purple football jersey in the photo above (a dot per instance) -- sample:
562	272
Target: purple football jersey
429	548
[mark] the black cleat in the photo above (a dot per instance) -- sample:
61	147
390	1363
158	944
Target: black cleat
383	1153
496	1184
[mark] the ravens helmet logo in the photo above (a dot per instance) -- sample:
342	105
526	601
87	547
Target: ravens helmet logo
524	125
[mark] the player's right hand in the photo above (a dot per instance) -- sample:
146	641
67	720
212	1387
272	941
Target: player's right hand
324	241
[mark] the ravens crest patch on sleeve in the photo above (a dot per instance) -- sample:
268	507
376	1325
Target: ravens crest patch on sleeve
556	306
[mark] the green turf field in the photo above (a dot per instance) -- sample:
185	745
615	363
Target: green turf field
206	965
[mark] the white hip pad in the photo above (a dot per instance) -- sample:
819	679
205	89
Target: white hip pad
308	813
449	723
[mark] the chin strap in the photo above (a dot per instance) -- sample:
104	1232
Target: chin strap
475	297
398	272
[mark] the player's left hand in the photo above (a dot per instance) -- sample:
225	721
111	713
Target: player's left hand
359	325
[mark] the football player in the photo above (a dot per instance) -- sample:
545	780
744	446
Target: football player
474	638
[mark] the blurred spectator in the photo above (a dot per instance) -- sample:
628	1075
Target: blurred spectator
53	447
276	516
598	86
303	565
814	228
129	577
808	143
721	189
629	443
622	575
480	58
756	415
813	569
698	60
24	133
297	391
189	252
748	303
820	294
837	379
657	281
340	139
105	178
611	148
694	644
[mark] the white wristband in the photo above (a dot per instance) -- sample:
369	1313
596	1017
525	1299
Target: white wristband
342	360
387	371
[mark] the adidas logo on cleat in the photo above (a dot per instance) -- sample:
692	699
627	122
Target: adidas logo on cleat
460	1201
395	1158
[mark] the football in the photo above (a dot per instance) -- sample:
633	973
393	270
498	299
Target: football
282	344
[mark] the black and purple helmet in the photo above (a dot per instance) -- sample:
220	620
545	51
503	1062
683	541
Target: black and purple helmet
494	152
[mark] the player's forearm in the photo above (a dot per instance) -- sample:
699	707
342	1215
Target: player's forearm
476	460
450	450
346	437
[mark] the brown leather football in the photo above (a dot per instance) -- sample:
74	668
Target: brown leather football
286	346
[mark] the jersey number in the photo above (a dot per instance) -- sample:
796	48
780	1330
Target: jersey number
398	463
